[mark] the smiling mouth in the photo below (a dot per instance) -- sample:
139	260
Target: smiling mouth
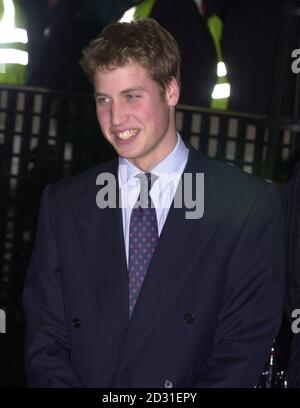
127	134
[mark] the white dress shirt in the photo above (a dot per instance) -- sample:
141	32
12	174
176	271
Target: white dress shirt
168	171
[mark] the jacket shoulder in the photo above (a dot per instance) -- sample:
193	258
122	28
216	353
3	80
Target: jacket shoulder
231	182
82	182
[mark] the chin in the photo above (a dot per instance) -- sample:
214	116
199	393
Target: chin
127	154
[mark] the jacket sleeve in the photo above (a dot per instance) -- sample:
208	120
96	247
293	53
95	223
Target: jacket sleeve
47	353
253	297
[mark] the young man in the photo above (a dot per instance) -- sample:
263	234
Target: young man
147	293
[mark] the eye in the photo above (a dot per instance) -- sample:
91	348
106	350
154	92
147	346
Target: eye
132	97
102	100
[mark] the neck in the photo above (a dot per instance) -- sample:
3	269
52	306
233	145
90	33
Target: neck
146	164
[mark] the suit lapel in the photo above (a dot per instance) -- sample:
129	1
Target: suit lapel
102	242
180	245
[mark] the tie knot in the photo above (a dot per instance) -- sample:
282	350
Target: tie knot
147	180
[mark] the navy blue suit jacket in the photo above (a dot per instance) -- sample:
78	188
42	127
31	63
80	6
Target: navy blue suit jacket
209	307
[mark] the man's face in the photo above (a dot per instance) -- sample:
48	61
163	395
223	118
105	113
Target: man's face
133	115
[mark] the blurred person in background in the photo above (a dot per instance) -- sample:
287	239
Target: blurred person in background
244	35
13	43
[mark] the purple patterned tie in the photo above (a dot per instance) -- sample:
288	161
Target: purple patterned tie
143	236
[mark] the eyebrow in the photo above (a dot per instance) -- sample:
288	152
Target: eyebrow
99	94
139	88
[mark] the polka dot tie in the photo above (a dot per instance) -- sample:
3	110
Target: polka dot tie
143	236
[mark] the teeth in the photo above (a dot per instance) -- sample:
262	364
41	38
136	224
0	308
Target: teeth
127	134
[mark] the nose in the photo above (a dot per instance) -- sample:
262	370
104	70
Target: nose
118	113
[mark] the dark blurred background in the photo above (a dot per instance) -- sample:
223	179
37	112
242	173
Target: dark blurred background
48	129
59	29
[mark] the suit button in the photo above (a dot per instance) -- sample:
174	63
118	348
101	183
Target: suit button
76	323
188	318
168	384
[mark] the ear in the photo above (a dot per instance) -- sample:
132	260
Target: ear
172	92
